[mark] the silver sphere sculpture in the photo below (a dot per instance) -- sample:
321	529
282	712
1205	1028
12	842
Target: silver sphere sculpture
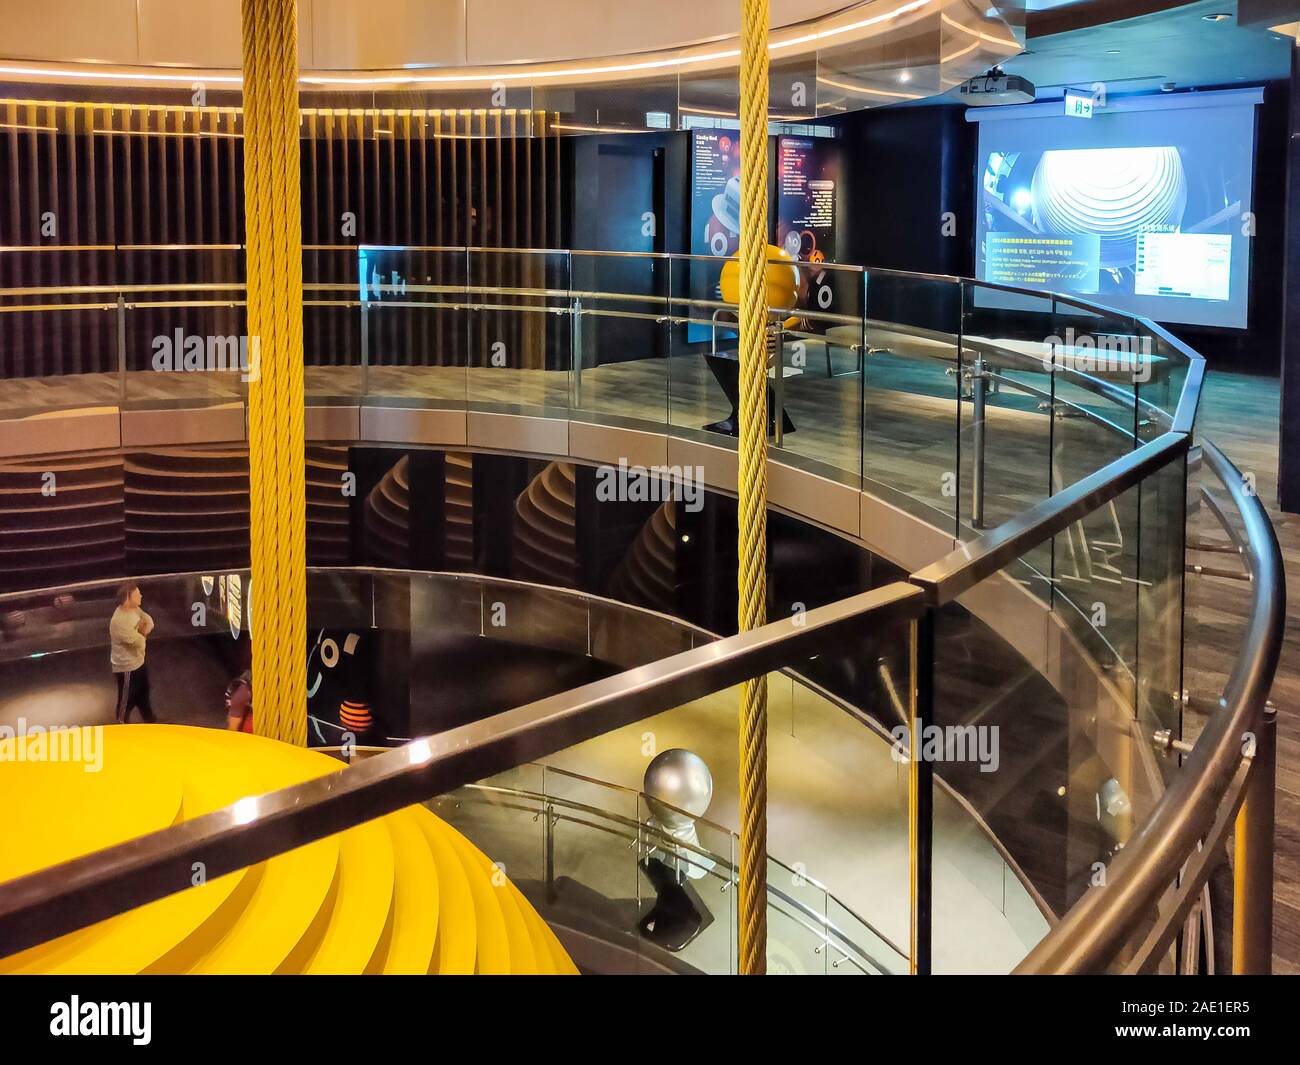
681	780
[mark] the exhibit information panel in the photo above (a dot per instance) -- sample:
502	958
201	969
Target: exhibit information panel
808	177
1146	207
715	209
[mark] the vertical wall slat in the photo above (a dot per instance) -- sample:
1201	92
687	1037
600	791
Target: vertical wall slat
440	327
71	234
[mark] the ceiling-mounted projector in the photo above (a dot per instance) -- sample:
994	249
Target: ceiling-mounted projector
995	87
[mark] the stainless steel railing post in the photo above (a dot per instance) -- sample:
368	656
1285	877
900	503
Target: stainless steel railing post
365	347
1252	895
577	352
778	369
979	386
121	348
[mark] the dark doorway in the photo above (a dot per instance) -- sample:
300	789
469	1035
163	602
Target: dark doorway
629	218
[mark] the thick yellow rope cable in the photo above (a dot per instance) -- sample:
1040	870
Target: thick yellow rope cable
277	497
752	481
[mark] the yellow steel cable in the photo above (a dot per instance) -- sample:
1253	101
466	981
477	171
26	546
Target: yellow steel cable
752	480
277	496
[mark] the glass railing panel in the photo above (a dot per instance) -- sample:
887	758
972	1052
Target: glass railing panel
703	382
1096	590
1015	751
830	718
1095	560
505	817
38	624
816	375
625	639
687	890
969	854
1007	409
62	356
414	325
910	390
1037	735
62	352
186	334
164	267
331	325
621	338
446	629
1163	375
1217	593
89	269
1098	359
851	844
869	864
858	949
536	617
340	597
592	849
518	332
798	939
1161	558
1102	358
608	861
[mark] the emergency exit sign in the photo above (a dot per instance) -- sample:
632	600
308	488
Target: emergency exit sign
1078	104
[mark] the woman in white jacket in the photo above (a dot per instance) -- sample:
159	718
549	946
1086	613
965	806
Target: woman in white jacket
127	633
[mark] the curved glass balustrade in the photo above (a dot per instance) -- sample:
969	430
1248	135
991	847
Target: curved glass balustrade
959	402
1049	435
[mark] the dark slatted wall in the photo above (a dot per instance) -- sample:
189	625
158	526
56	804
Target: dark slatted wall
79	176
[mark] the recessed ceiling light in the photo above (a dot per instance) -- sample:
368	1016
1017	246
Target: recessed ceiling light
1221	16
905	77
1112	51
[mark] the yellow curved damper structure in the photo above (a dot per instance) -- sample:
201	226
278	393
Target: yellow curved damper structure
405	893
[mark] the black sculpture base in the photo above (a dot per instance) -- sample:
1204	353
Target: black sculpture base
726	371
678	914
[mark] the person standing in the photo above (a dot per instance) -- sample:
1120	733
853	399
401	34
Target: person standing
128	630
